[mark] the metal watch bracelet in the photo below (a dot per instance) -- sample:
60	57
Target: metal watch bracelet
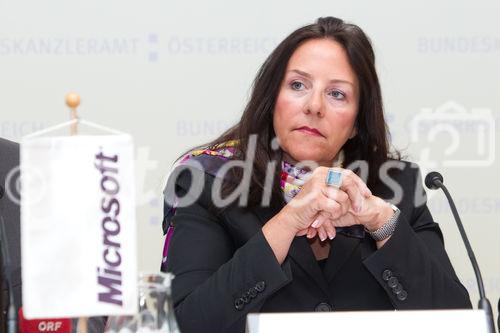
387	229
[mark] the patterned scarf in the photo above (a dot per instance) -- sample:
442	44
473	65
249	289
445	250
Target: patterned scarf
291	181
293	178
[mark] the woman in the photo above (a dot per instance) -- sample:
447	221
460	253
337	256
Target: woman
311	235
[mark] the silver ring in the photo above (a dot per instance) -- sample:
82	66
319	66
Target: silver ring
334	178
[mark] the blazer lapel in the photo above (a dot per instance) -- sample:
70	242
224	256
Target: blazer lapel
341	249
300	251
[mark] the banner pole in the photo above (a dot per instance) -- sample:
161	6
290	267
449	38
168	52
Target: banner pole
73	101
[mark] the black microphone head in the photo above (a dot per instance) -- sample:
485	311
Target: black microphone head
433	180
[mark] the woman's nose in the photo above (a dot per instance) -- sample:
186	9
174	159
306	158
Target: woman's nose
315	104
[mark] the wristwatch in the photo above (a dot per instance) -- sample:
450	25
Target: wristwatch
387	229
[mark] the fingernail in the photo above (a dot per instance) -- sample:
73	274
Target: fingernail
332	237
322	238
315	224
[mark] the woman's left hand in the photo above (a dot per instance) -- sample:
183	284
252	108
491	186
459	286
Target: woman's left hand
374	213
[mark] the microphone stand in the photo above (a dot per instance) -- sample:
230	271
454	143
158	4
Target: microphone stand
11	312
434	180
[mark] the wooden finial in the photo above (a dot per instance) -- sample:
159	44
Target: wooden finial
73	101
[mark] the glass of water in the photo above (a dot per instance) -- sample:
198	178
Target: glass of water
155	312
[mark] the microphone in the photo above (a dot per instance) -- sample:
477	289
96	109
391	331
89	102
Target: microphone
43	325
434	180
11	312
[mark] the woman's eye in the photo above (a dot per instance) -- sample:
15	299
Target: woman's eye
296	85
337	94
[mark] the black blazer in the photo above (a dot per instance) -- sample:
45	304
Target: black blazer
224	268
9	209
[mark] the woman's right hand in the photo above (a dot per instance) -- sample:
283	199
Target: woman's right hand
317	203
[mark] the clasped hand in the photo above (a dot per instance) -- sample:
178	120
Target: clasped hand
318	208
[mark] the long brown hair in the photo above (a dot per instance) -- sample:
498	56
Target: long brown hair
371	142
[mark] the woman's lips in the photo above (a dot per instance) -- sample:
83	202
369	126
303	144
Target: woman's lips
310	131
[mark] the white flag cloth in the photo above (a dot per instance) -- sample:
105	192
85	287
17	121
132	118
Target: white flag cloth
78	228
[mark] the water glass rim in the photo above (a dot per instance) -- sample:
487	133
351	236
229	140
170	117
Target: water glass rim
155	279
